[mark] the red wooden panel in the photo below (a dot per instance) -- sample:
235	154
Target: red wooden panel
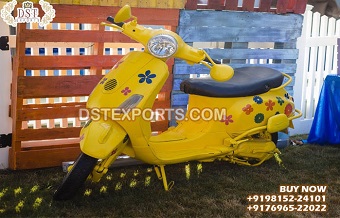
248	5
73	36
95	14
191	5
300	6
216	4
48	113
69	62
42	134
56	86
45	157
265	5
281	6
231	5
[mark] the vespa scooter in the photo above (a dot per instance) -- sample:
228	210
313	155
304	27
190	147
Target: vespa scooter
252	103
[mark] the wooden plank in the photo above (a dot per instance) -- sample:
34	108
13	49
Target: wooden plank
237	34
16	101
74	36
159	125
265	5
69	62
56	86
56	105
191	5
239	19
215	4
179	99
48	113
248	5
231	5
48	144
96	14
300	6
281	6
45	158
253	53
43	134
183	68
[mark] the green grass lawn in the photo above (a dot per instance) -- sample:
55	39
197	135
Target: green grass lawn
217	189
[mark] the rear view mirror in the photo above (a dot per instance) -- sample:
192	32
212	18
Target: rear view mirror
123	14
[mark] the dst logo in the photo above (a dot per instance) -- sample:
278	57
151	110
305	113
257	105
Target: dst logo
27	13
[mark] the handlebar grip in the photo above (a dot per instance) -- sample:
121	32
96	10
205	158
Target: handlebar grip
112	20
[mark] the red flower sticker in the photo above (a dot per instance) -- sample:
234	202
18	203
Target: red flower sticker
227	119
288	109
126	91
270	104
248	109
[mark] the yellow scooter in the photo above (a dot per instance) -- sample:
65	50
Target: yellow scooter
234	115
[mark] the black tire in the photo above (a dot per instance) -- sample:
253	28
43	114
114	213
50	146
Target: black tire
275	137
75	178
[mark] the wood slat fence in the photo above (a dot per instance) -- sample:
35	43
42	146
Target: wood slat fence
56	68
317	59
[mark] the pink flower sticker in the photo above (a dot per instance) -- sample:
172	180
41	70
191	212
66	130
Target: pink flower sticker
227	119
126	91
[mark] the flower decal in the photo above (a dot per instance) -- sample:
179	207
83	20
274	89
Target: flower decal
248	109
259	118
287	95
258	99
227	119
126	91
280	100
148	76
288	109
270	104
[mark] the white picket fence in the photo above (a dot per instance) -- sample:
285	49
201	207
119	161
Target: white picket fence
317	59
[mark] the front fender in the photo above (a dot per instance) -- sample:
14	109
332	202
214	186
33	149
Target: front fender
99	138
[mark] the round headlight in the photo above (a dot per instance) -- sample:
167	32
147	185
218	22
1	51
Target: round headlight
162	46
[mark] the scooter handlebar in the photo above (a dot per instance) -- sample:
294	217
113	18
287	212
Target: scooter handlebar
112	20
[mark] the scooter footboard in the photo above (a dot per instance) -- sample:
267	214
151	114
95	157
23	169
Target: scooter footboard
257	150
99	138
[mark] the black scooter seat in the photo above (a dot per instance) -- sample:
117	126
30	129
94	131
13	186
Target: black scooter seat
247	81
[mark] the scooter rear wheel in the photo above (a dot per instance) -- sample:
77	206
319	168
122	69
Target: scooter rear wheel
75	178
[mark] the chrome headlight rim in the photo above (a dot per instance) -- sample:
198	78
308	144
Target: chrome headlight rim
164	38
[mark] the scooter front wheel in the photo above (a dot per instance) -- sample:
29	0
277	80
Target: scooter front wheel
275	137
75	178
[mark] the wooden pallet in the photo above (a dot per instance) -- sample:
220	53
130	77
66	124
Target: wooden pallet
49	82
240	39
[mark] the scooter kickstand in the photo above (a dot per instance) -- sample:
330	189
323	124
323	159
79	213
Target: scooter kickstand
160	172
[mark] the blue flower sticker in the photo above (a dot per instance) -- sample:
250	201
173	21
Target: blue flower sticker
280	100
258	99
148	76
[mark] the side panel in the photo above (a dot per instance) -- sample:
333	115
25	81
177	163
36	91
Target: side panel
101	137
